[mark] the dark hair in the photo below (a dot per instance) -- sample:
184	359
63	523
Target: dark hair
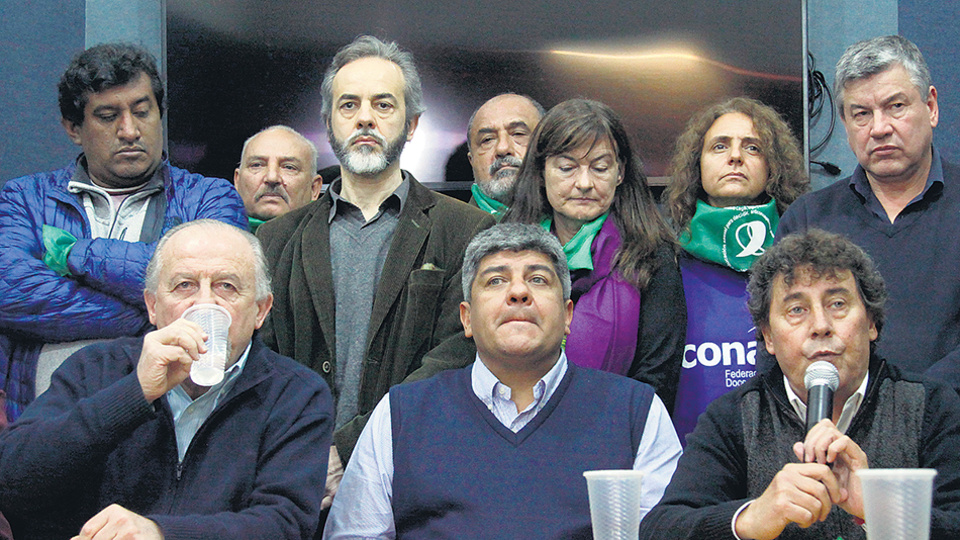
514	237
787	178
581	122
369	46
823	255
100	68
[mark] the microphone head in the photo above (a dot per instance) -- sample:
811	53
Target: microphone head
821	373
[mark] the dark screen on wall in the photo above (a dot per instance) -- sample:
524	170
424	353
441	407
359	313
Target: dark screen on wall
236	66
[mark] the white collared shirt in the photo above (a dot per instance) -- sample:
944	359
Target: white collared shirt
362	507
496	395
850	406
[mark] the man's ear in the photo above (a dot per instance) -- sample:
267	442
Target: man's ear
73	131
465	319
150	299
412	126
765	331
263	307
315	187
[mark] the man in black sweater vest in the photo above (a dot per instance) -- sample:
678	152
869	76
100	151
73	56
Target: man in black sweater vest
751	470
498	449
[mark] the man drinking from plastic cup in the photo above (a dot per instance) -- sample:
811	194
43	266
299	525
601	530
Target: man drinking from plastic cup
125	445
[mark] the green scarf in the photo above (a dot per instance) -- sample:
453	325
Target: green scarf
488	204
254	224
577	249
733	236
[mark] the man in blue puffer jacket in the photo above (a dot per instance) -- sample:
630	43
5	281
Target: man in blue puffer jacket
75	242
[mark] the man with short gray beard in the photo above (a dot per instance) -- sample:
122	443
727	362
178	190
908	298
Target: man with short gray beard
497	137
367	277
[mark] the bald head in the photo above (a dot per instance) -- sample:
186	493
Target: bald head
212	231
277	172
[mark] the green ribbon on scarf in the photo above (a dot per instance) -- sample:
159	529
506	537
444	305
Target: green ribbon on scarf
733	236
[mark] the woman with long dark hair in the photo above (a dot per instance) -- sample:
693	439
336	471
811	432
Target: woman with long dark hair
582	181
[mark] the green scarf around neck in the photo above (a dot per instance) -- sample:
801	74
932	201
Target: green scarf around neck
488	204
577	249
254	224
733	236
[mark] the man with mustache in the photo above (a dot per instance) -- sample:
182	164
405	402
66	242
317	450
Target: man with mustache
277	174
498	449
902	203
75	242
752	470
497	137
367	277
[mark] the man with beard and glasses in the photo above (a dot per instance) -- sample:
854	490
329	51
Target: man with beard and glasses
74	243
277	174
367	277
497	137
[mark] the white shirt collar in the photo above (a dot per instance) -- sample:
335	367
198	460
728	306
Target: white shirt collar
850	407
496	395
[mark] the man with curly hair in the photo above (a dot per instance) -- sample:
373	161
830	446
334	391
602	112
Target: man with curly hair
751	468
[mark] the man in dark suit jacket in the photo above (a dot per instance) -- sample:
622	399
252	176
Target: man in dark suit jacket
367	277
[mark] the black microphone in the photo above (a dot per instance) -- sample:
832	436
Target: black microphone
821	381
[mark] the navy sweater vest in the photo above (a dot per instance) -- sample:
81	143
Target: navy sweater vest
459	473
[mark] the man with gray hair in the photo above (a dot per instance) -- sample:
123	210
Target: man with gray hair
521	422
277	173
497	137
125	445
368	277
902	203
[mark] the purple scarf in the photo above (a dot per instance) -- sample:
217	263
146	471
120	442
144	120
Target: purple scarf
606	318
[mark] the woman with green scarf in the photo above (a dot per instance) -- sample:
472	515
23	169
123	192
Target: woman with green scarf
736	168
581	181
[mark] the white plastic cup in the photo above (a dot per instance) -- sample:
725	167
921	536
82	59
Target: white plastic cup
896	503
614	503
215	321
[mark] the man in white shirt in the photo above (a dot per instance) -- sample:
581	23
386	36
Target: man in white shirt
511	435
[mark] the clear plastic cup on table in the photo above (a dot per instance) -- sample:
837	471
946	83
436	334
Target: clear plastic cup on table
215	321
896	503
614	503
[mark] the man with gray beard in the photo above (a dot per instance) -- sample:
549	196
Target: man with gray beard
497	137
367	278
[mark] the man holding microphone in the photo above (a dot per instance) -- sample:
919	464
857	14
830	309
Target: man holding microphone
752	469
